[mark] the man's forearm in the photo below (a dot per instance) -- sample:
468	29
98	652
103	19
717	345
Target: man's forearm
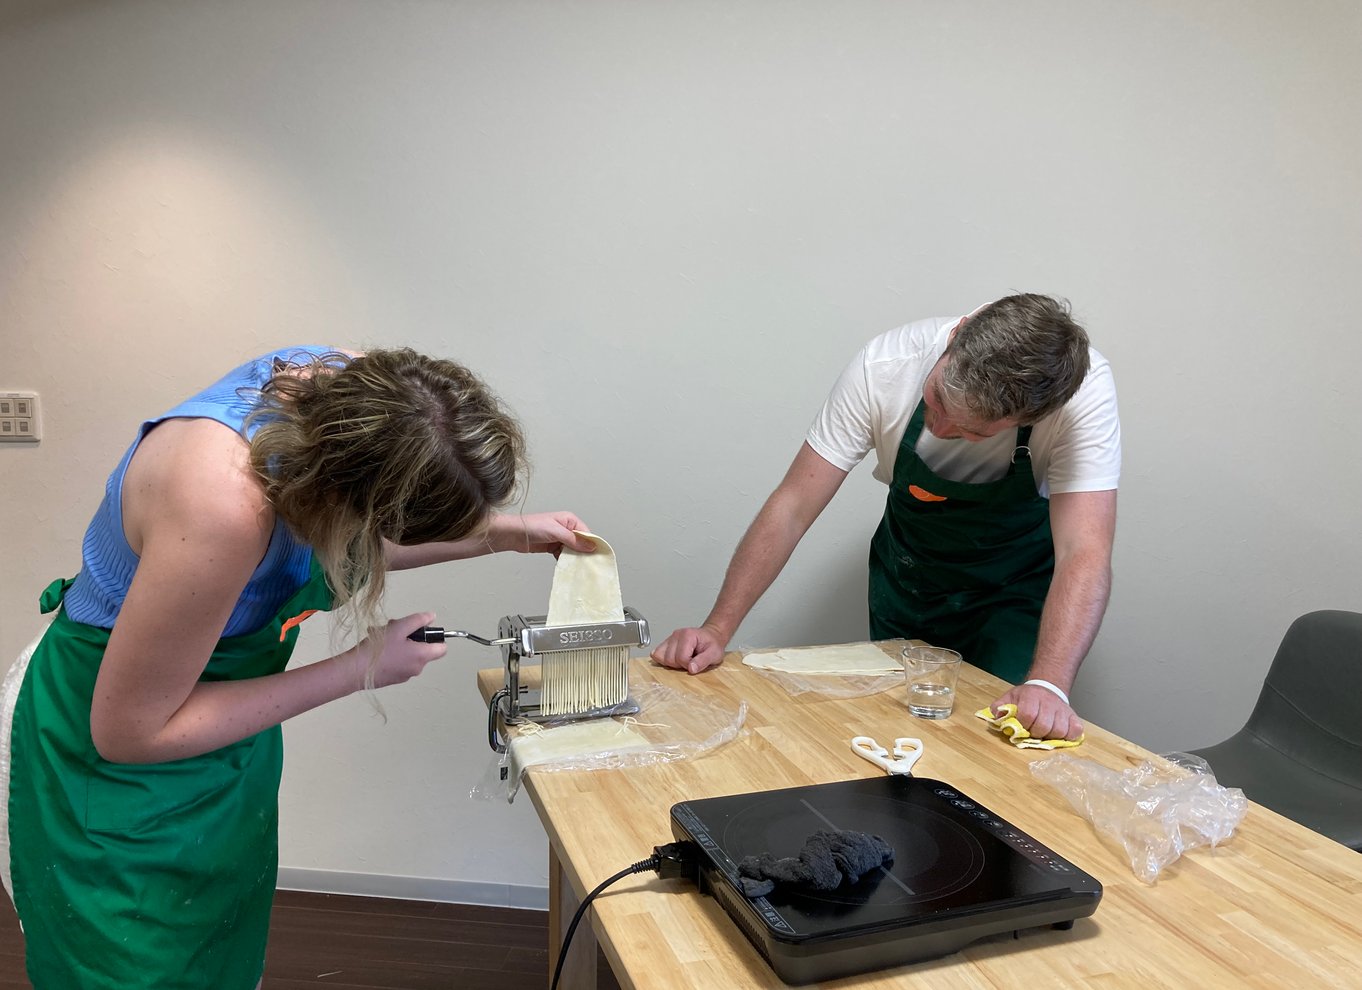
786	516
1071	617
758	561
802	495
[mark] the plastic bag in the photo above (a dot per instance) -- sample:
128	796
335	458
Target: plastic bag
1156	811
669	725
833	685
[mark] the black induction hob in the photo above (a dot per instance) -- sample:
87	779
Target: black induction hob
960	873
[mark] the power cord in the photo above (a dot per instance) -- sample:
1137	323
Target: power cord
675	859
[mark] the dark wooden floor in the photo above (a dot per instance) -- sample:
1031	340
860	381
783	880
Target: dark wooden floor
371	943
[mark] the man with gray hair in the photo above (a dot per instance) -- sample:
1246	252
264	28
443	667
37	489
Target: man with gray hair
997	532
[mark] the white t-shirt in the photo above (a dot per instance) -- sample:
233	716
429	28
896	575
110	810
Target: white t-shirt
1077	448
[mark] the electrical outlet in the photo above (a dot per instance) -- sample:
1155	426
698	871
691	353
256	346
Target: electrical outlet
19	419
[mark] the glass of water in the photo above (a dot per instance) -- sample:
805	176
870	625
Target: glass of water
932	672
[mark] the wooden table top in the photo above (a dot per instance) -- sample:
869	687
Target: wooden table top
1277	905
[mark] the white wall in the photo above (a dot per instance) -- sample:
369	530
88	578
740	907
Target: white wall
660	229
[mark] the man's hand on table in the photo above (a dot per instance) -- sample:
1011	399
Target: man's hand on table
692	650
1042	713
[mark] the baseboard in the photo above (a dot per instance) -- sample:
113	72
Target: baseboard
507	895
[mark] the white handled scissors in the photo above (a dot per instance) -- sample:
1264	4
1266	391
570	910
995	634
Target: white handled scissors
906	753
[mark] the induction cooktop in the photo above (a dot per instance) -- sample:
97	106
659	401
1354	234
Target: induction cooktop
960	873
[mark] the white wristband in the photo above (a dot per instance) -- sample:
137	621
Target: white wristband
1049	687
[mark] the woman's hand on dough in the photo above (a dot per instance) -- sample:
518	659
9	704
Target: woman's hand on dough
541	532
691	650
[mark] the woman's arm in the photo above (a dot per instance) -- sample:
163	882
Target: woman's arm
544	532
196	516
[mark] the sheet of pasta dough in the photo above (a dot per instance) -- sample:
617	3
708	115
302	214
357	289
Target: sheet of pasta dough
849	658
579	744
586	586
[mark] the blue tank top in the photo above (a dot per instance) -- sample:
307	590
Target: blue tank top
108	562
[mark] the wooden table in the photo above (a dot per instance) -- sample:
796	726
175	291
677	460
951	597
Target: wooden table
1276	906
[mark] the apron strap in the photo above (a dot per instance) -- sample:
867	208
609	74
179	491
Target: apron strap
51	598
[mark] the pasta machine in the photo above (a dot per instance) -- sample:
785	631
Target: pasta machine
582	669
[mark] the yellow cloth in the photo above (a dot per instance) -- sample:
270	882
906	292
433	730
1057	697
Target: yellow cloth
1006	723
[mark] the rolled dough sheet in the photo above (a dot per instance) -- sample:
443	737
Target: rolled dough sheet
848	658
578	744
586	586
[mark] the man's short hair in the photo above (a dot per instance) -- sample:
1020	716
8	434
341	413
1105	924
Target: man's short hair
1019	358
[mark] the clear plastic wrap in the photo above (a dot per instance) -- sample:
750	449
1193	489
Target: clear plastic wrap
1155	811
840	685
669	725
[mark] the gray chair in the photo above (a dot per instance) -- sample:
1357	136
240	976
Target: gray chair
1300	752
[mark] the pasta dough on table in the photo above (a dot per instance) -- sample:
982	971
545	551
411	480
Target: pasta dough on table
848	658
577	744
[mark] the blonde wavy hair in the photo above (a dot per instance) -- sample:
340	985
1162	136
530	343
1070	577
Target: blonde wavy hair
388	445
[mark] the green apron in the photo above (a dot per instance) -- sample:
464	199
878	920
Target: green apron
143	876
961	565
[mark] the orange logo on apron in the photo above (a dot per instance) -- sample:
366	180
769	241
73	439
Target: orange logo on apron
922	495
297	620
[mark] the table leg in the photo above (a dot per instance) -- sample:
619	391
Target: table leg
579	970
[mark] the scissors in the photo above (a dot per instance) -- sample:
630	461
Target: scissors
906	752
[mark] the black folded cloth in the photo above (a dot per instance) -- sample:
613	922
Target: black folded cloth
829	859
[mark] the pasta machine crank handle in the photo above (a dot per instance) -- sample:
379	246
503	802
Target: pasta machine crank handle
438	634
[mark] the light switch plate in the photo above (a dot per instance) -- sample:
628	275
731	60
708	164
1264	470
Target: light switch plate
20	421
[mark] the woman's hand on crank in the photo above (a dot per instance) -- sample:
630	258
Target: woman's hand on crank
399	658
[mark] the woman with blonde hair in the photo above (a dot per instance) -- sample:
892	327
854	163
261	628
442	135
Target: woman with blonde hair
143	726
